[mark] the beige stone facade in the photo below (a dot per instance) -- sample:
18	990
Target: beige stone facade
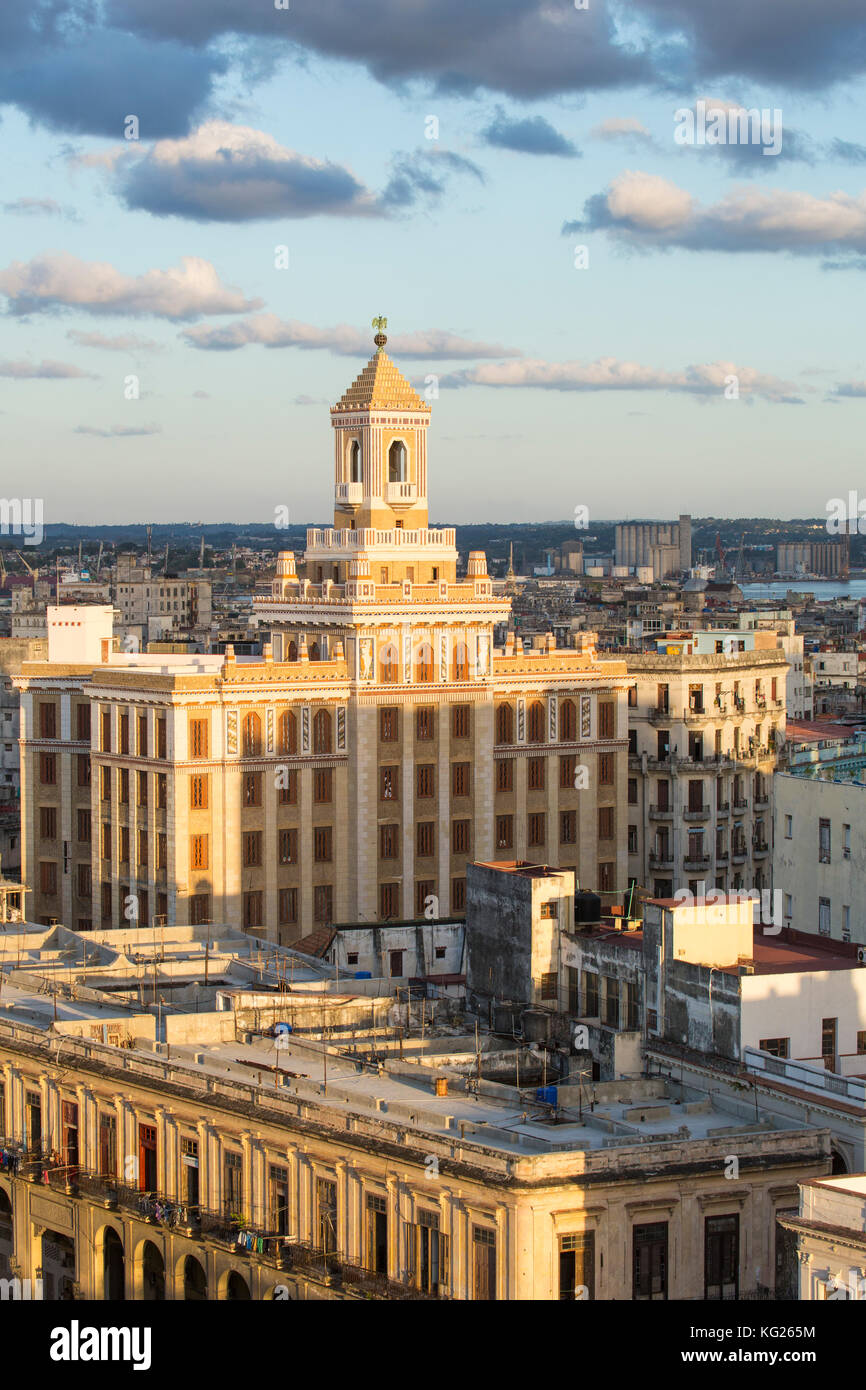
380	746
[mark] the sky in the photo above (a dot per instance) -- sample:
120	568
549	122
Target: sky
203	206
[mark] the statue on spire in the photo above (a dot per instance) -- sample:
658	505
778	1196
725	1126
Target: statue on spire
380	340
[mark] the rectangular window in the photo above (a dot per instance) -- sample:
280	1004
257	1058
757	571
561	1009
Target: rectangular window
105	783
389	783
650	1261
829	1030
287	787
199	788
389	840
824	916
198	738
605	769
460	836
389	905
288	846
233	1172
425	839
252	848
789	827
278	1200
287	906
632	791
427	1253
577	1267
425	888
123	787
48	769
326	1215
82	723
777	1047
568	827
458	894
161	850
460	779
189	1171
105	729
161	746
606	822
504	832
721	1257
198	851
590	994
567	770
389	723
846	842
48	878
124	844
537	823
460	721
123	730
323	903
252	788
504	775
141	788
549	985
631	839
83	765
252	906
106	841
535	774
143	855
606	718
323	786
483	1263
107	1145
48	720
85	882
823	842
424	723
48	822
323	839
425	780
376	1234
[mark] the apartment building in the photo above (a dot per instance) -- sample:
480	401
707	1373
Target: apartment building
830	1234
154	605
706	716
379	745
252	1165
819	853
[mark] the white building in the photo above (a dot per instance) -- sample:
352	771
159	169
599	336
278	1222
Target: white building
819	855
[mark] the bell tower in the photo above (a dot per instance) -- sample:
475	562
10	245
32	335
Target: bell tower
380	449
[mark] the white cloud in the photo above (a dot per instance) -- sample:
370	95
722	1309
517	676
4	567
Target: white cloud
344	339
57	279
707	380
45	370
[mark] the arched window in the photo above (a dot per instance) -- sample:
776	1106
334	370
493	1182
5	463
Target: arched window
424	663
388	663
355	462
322	741
461	662
536	722
288	732
397	462
292	653
315	654
567	721
252	736
505	724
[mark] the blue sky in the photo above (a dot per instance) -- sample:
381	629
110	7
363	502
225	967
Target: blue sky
559	386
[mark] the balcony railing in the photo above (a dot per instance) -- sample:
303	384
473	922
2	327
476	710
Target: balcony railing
400	492
661	812
697	861
696	812
314	1261
659	714
661	861
350	492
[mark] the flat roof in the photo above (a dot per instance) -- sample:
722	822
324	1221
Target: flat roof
816	730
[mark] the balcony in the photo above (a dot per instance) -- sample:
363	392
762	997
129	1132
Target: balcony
664	860
659	714
333	1269
723	808
721	857
693	715
697	812
760	851
695	863
661	812
762	801
400	494
739	854
353	493
741	803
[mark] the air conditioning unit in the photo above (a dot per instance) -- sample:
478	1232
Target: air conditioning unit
861	955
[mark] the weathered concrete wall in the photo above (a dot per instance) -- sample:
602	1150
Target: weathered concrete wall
499	933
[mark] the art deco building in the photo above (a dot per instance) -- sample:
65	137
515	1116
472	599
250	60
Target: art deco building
380	745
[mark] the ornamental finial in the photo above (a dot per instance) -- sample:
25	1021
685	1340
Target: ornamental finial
381	324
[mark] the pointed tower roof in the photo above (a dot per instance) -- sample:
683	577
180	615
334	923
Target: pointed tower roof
380	386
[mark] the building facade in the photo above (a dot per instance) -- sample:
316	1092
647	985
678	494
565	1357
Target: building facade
380	745
704	727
